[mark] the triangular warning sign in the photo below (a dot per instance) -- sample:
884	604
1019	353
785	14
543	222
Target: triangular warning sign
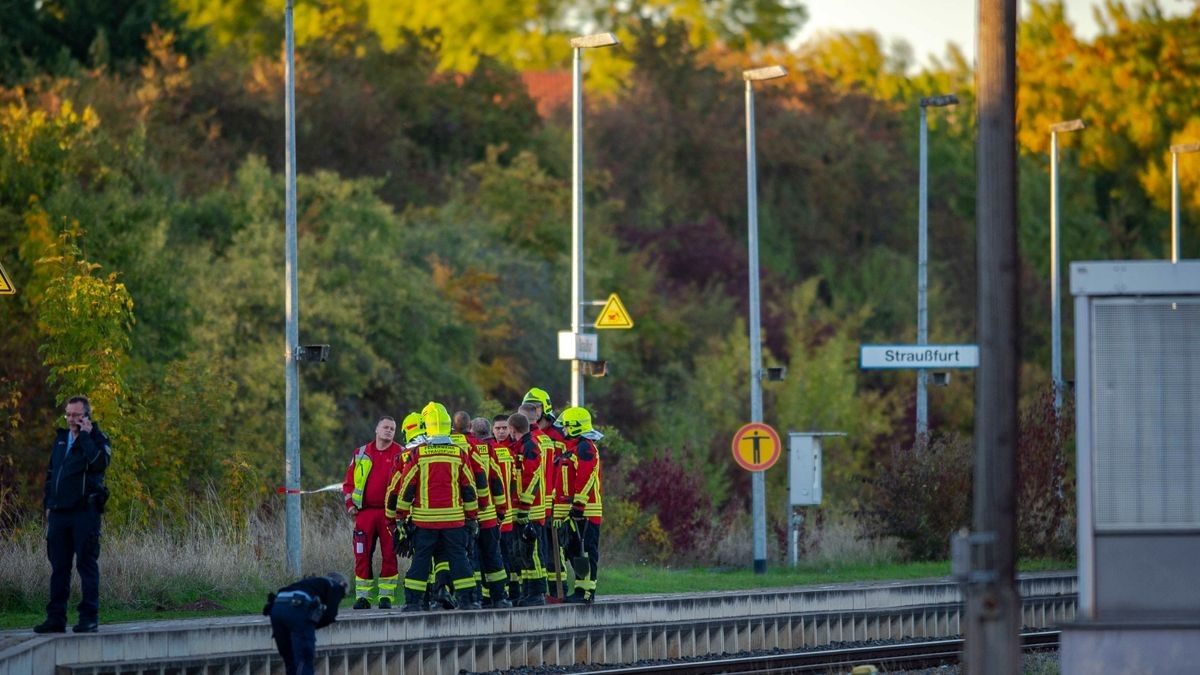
614	315
6	287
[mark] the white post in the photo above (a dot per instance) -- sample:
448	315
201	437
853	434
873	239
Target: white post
576	218
1056	366
578	44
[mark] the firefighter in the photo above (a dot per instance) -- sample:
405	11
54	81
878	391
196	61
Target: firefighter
438	495
414	437
491	562
502	444
554	444
530	519
466	441
586	511
365	488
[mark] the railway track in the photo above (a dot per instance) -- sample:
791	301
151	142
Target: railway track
888	658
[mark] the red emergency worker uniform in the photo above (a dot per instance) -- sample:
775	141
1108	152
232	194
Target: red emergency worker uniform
367	479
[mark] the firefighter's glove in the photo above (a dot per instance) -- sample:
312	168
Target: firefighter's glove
522	517
576	512
473	528
500	513
528	532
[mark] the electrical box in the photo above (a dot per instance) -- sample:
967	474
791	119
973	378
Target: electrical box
804	466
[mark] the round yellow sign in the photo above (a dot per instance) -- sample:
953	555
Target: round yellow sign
756	446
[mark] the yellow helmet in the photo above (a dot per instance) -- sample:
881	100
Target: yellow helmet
436	419
576	422
540	397
413	426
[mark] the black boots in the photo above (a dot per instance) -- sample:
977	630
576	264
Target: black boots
466	599
362	603
499	595
51	626
414	601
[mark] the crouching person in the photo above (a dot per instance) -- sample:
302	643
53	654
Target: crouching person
297	611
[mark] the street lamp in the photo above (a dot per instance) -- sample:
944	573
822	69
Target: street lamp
1056	373
1176	151
758	481
923	257
578	44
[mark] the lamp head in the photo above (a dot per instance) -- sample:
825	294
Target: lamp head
765	73
1070	125
939	101
594	40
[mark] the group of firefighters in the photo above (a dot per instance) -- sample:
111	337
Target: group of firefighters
492	512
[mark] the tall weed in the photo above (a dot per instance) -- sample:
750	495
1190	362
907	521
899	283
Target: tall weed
215	552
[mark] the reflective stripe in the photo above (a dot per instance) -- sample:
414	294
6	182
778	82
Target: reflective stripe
493	577
464	584
387	586
415	584
362	468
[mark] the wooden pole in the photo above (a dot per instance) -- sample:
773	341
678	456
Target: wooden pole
993	605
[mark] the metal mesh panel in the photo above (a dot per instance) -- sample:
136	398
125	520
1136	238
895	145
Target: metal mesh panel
1146	399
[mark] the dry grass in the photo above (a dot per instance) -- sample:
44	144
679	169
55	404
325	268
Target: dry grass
836	538
212	554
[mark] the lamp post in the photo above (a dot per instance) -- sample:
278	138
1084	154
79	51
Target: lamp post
291	327
1056	373
923	257
578	44
1176	151
758	481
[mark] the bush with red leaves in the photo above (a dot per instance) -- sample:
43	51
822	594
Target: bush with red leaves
665	486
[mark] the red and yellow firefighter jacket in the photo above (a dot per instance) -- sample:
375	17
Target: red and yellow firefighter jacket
560	484
483	453
503	457
438	490
369	474
529	483
584	479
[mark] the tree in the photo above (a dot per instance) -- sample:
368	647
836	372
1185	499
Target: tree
55	35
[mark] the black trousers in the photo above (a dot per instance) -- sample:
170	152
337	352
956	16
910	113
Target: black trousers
73	537
295	637
454	545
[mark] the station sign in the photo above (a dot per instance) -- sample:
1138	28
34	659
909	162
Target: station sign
935	357
578	346
756	446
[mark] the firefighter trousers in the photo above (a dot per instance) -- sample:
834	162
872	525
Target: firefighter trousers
371	528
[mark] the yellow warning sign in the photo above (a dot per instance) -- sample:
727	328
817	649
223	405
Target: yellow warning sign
614	315
6	287
756	446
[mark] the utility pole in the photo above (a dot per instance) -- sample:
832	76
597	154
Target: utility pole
992	603
292	321
758	482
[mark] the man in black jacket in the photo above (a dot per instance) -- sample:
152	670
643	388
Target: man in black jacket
297	611
75	495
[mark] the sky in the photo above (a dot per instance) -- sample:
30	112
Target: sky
928	25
